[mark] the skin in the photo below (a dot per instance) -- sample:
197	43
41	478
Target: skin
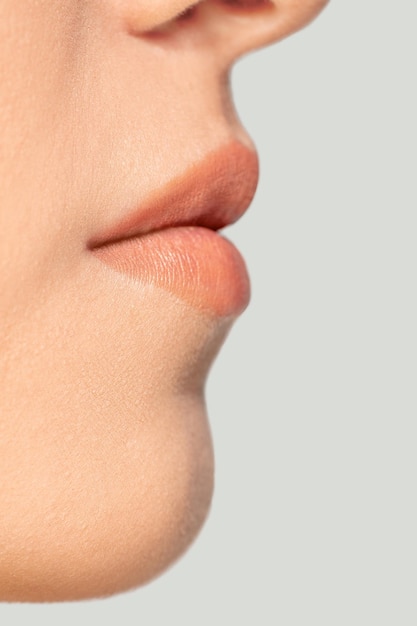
106	464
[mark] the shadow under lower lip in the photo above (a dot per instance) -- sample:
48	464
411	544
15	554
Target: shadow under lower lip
196	264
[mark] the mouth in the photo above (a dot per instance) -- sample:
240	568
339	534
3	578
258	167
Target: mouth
172	240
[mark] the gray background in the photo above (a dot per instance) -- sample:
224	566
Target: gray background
313	399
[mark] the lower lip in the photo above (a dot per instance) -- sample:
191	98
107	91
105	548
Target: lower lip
195	264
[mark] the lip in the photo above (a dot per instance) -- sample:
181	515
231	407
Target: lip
172	239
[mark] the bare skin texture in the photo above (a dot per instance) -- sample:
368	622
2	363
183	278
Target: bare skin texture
105	454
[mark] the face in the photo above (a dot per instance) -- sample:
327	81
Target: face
121	156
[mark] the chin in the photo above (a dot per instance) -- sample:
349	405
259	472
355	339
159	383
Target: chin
93	525
107	476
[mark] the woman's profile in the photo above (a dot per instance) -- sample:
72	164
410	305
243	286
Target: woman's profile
121	160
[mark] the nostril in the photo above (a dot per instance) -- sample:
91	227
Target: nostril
184	16
234	5
141	18
247	5
187	14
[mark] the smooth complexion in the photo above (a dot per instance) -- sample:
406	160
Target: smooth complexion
106	463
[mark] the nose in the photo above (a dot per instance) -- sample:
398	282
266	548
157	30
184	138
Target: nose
240	26
230	27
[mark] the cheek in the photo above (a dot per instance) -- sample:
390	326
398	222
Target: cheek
35	85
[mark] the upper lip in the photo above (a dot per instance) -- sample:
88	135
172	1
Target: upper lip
213	193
